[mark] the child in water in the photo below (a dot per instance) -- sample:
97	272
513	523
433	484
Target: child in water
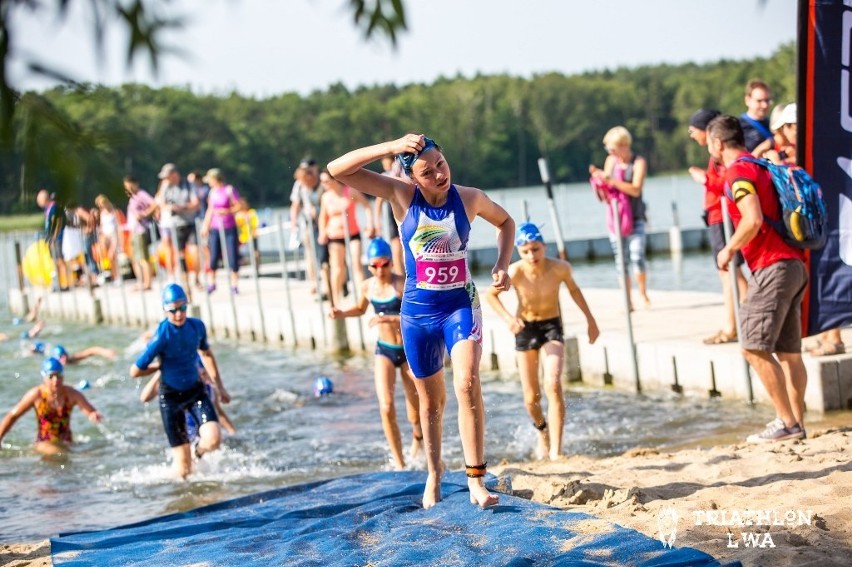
52	402
384	292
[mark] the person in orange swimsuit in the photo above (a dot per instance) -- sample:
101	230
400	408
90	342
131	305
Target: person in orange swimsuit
52	402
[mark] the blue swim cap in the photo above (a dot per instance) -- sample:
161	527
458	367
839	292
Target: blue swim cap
173	293
528	232
323	386
59	351
51	366
407	159
38	347
379	248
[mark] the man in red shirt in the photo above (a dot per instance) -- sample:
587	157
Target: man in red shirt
771	315
713	180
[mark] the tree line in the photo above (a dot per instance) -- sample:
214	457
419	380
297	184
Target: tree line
80	140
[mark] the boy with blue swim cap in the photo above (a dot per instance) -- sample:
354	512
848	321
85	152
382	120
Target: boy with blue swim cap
384	291
177	342
440	309
537	326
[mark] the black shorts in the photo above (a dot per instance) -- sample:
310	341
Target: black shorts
173	404
342	241
185	235
535	334
717	242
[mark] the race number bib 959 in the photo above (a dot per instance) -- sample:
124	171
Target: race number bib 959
449	271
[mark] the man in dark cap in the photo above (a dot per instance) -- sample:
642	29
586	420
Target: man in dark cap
713	180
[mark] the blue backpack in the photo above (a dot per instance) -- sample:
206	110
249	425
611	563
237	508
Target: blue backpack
803	222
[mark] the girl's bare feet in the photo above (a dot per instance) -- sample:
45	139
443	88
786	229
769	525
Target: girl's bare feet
432	492
479	495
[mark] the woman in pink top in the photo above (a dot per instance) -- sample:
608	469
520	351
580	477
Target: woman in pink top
222	202
337	215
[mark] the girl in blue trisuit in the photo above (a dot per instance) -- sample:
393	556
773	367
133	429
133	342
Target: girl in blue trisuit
440	307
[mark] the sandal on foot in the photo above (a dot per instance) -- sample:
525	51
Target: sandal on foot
828	349
720	338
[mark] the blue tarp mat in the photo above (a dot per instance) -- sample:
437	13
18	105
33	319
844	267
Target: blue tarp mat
371	519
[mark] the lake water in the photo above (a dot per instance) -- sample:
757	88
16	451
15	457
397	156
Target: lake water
119	472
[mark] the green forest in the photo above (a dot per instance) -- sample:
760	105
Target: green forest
80	140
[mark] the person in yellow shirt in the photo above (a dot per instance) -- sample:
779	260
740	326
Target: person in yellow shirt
247	223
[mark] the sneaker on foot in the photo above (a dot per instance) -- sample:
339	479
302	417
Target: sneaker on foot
235	291
211	288
777	431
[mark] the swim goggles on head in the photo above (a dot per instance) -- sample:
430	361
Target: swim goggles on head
407	159
528	232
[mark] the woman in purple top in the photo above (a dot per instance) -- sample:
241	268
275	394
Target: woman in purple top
222	202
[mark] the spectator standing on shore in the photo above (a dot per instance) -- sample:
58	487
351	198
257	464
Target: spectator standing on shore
713	180
304	212
625	172
140	212
179	206
223	202
755	120
54	226
109	234
770	317
537	326
440	306
338	219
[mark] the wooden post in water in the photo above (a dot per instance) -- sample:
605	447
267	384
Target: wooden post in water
25	304
282	255
545	177
207	274
732	273
352	265
341	337
622	270
226	262
256	274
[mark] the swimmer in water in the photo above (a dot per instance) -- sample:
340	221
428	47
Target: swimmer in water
177	342
66	358
52	402
537	326
384	291
440	306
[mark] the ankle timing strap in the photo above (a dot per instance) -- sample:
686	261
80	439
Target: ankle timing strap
475	471
541	426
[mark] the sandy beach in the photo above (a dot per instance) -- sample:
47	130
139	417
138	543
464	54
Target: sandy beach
780	504
806	486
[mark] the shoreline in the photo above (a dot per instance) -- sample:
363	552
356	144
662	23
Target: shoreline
714	492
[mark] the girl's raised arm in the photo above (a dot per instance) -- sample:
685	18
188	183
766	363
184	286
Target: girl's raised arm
349	168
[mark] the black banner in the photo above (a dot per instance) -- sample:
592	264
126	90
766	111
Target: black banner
825	150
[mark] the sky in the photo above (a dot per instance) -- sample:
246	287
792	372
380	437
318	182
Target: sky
266	47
